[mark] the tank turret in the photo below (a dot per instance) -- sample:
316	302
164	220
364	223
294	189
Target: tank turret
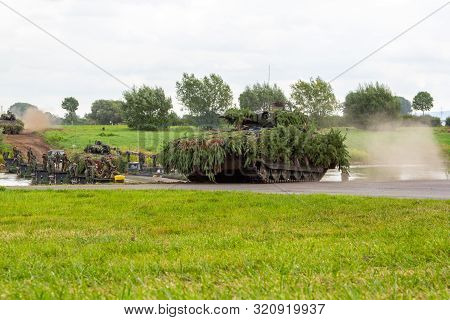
9	116
98	148
9	124
249	120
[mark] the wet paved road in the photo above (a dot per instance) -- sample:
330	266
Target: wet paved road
436	189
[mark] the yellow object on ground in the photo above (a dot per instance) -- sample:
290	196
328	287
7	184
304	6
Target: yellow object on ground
119	179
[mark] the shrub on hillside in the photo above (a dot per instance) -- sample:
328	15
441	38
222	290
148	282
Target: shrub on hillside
370	105
332	121
424	120
146	108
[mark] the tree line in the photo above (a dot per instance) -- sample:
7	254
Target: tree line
206	98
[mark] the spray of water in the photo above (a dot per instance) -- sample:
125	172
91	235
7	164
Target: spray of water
405	153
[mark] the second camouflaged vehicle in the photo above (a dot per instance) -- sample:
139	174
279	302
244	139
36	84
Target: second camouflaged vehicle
98	148
9	124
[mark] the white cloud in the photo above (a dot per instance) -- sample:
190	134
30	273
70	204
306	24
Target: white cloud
154	42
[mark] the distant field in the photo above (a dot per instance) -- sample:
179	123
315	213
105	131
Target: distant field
78	137
443	138
220	245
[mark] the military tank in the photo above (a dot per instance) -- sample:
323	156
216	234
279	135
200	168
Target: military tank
9	124
98	148
266	147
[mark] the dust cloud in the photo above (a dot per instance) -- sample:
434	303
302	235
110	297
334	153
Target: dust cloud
405	153
36	120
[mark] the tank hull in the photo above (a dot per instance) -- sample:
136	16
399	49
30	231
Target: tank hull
235	171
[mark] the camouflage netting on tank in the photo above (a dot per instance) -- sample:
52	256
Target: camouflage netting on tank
207	153
280	117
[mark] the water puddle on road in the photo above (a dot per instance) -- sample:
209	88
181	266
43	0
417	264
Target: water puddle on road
357	172
11	180
389	173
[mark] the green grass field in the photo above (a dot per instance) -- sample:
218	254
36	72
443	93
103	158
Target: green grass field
214	245
77	137
3	147
442	136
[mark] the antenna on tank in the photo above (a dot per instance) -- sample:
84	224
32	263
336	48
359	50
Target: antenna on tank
138	141
268	79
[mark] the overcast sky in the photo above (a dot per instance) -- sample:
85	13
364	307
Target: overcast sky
153	42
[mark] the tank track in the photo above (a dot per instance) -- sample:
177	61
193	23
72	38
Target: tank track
265	173
274	175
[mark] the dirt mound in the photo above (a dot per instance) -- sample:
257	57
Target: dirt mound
28	139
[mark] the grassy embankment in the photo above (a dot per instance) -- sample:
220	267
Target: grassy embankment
121	136
78	137
211	245
442	136
3	147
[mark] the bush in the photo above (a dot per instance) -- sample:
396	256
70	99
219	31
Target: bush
332	121
425	120
146	108
435	121
106	112
370	105
447	122
103	134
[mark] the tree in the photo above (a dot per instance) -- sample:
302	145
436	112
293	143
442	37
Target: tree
54	120
423	101
146	108
204	98
70	104
315	98
447	122
260	97
369	103
174	119
405	105
106	112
